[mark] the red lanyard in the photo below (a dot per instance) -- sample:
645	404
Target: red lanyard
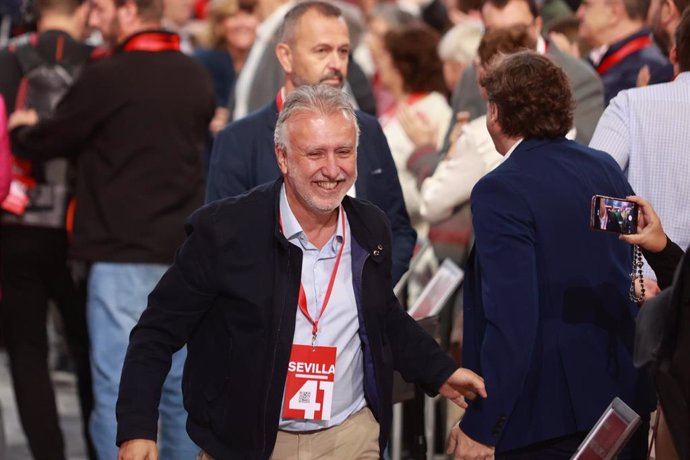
302	301
279	100
153	41
628	49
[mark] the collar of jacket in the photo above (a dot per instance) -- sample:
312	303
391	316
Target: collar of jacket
535	142
360	227
162	34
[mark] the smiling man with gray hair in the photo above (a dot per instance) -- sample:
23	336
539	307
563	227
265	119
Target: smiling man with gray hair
283	296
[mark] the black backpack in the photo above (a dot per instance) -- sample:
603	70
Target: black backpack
50	183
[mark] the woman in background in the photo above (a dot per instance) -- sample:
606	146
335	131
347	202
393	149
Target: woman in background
229	37
409	67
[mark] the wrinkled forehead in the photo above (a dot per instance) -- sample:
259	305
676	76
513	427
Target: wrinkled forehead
314	26
307	127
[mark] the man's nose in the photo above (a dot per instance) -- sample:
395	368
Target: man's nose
337	61
331	167
92	20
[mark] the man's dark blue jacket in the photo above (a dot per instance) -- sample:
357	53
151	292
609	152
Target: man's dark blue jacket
244	157
548	322
231	296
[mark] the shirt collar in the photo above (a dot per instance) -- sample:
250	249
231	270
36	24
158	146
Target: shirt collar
291	226
512	149
597	54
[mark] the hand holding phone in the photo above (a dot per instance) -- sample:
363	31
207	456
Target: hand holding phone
614	215
650	233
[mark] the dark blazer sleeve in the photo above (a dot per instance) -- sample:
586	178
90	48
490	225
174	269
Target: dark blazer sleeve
229	170
175	307
505	248
383	189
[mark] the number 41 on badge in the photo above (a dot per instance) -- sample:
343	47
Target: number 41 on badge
309	383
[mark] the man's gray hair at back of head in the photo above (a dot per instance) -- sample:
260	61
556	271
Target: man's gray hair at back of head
317	99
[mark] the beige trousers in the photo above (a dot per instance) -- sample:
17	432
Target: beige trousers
355	438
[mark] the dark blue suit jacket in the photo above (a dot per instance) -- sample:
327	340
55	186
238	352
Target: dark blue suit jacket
548	322
244	157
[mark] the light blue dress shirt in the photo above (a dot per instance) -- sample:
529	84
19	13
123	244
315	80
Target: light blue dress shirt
339	325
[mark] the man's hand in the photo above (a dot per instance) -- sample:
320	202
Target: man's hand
22	118
219	120
417	127
463	383
138	449
462	447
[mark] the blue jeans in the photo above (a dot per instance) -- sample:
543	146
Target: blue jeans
117	295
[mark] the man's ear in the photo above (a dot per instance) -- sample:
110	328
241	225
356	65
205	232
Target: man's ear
538	25
492	112
617	11
284	55
281	157
673	57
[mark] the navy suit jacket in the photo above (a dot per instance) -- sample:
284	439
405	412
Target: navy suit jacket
548	322
244	157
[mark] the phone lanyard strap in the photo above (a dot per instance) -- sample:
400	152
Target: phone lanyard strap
637	267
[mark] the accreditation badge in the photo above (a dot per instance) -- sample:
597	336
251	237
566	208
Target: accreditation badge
309	383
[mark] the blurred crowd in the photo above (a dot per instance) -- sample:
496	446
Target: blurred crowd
118	118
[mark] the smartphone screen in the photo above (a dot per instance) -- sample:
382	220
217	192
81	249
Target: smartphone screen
615	215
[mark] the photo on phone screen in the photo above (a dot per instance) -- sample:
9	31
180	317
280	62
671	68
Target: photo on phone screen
615	215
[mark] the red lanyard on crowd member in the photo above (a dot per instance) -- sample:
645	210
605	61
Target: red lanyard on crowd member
153	41
625	51
302	301
280	100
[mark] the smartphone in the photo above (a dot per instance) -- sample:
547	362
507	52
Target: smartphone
614	215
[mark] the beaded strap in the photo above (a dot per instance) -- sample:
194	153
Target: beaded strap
636	274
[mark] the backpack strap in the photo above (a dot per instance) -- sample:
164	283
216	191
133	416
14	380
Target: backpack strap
25	49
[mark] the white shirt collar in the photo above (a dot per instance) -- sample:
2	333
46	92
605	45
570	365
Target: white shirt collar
512	149
597	54
291	226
